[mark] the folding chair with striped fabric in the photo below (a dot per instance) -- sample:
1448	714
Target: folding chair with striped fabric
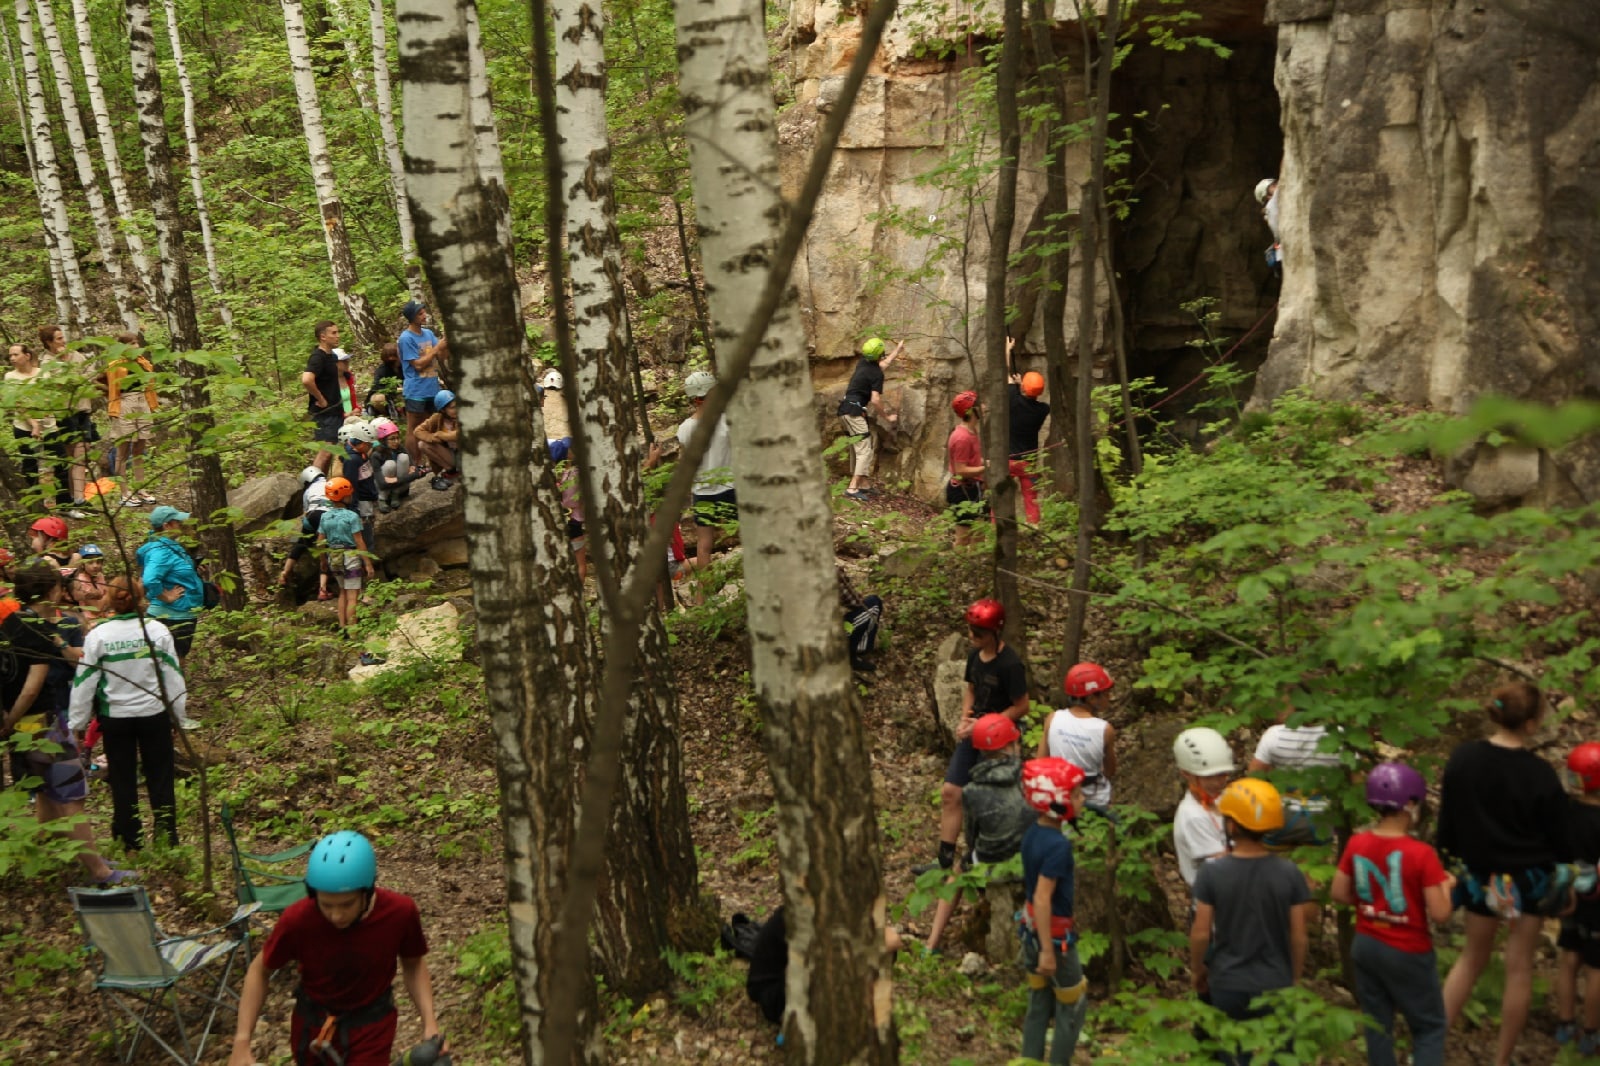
166	988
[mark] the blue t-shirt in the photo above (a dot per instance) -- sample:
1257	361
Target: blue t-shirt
416	386
1046	852
340	526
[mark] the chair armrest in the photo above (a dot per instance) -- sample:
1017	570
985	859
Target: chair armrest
240	914
279	856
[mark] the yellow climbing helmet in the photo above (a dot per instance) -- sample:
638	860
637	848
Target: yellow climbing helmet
1253	803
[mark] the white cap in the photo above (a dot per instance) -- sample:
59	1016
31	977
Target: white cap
551	380
1263	187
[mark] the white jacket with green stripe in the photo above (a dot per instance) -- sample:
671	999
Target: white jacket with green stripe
125	665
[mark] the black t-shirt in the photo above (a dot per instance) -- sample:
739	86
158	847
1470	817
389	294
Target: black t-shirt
1027	418
867	380
1501	810
769	959
25	641
996	684
1583	845
324	368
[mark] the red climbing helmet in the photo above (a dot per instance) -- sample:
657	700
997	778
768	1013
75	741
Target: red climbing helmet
51	526
1047	785
1086	679
986	614
1584	765
964	402
993	732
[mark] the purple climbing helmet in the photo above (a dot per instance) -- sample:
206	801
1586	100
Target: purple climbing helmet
1392	785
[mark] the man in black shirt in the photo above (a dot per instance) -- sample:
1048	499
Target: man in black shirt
1027	413
864	393
321	382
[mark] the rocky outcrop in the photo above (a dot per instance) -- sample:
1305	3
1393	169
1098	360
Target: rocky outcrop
1441	211
264	500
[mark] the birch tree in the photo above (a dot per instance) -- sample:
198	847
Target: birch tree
352	53
54	200
652	880
105	234
205	468
107	138
391	145
191	138
345	278
532	623
838	998
58	280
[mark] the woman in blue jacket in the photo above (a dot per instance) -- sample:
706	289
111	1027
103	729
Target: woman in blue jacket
171	582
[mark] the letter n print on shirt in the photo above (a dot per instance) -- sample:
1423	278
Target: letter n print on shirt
1367	872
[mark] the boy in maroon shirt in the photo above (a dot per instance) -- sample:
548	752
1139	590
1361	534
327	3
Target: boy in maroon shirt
348	937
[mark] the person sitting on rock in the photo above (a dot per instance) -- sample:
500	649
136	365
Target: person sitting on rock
439	440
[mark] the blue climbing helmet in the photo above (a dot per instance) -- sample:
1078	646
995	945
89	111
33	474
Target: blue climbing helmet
442	399
91	551
342	862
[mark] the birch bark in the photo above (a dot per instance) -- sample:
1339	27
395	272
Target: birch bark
838	1007
105	234
191	137
651	882
54	200
391	145
58	280
107	137
205	468
352	53
345	278
532	628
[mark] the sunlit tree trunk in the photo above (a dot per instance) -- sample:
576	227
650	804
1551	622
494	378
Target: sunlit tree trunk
54	203
352	53
105	234
391	145
191	137
532	623
345	279
205	467
837	989
650	876
107	137
58	280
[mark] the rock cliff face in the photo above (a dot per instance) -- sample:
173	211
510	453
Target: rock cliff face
1441	210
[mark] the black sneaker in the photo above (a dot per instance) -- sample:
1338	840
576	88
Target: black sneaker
440	483
862	666
922	868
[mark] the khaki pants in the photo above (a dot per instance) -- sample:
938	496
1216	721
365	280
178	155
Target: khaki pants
862	447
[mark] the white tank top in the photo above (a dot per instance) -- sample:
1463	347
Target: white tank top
1082	742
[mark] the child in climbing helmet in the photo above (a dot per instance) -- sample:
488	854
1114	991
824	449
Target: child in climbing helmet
346	939
1249	931
1080	734
1580	931
1205	760
1396	883
1057	989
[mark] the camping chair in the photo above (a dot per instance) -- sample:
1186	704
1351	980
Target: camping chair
148	976
274	891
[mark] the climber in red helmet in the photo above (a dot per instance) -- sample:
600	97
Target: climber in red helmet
964	450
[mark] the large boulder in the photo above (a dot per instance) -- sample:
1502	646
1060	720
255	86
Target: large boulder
264	500
426	517
432	633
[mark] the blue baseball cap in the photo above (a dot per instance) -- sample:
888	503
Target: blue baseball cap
411	310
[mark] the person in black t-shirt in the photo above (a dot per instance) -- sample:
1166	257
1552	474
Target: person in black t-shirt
321	382
863	394
1028	413
997	683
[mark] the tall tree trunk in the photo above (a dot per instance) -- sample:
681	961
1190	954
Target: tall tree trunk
1097	77
205	467
104	233
997	416
107	137
58	279
191	137
532	628
44	153
838	1001
345	279
352	53
391	145
651	881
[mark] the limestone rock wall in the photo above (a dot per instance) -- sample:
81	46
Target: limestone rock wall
1441	191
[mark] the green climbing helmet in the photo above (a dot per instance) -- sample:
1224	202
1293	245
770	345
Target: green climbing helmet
872	348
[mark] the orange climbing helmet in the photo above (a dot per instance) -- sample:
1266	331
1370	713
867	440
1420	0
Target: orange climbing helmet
338	489
1033	384
1253	803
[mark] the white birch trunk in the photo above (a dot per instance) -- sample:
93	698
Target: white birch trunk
107	136
391	145
838	996
352	53
191	137
44	151
345	279
58	281
532	628
105	234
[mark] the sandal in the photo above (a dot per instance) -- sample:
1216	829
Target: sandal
324	594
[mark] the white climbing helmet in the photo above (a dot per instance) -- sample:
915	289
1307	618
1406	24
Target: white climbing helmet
359	430
699	384
1202	752
311	474
551	379
1263	187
